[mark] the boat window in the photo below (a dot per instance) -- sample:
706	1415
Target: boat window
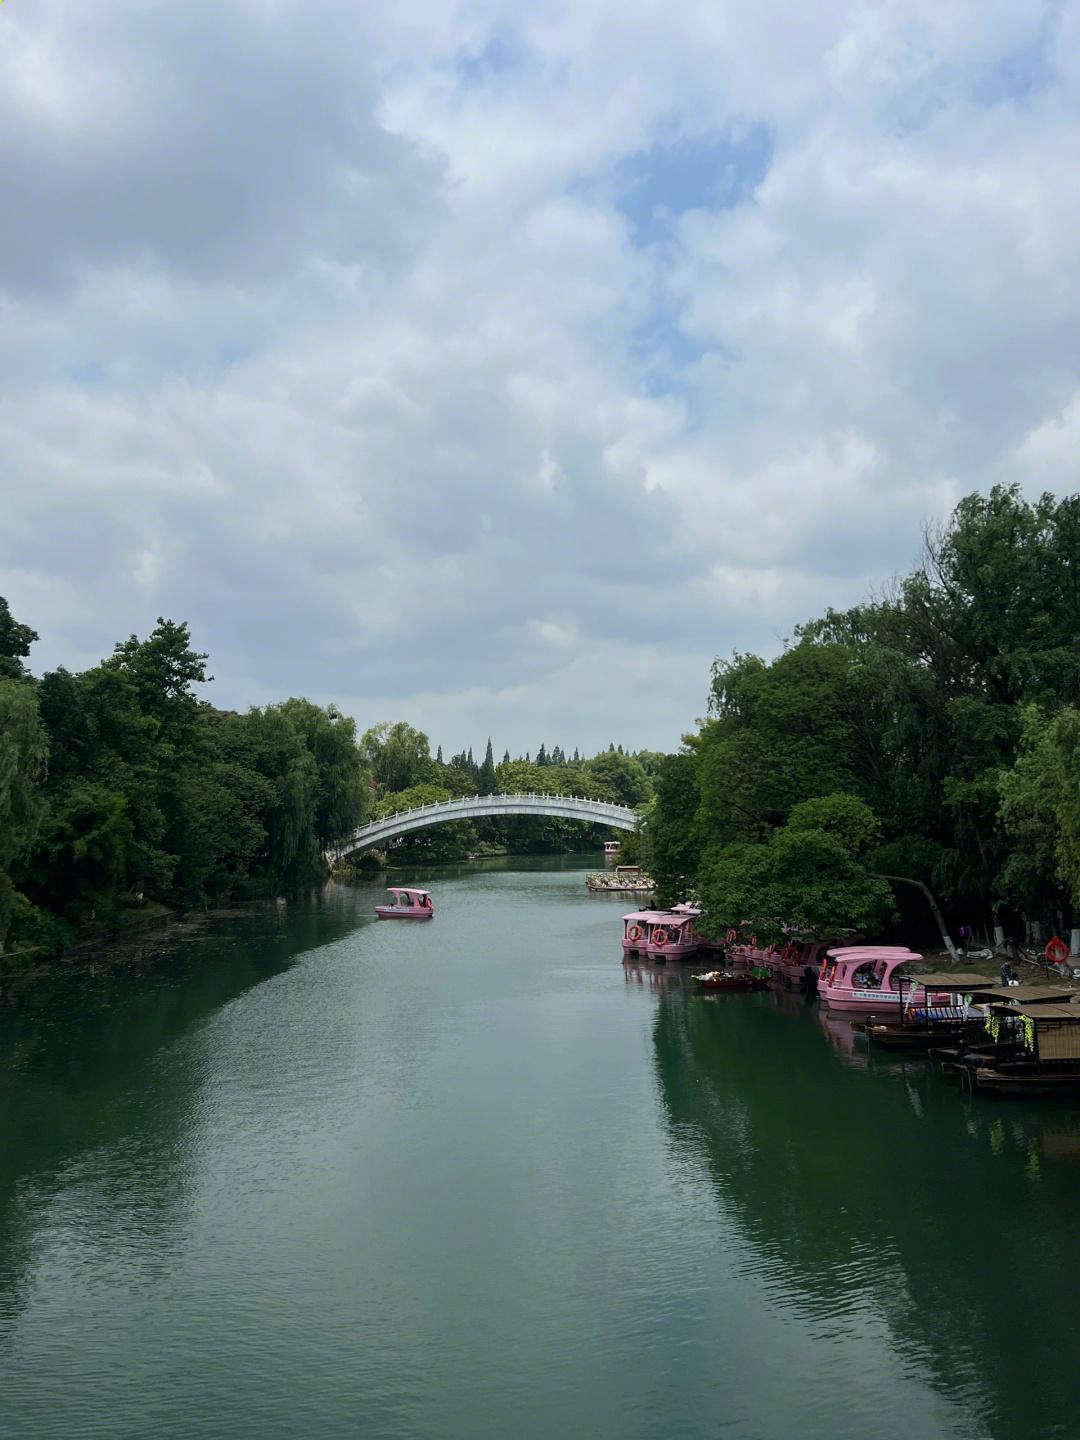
863	978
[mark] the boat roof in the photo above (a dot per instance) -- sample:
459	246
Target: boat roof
1029	994
1053	1012
406	890
848	952
657	917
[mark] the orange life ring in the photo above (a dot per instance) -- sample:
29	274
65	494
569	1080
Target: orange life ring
634	933
660	936
753	942
1057	952
731	937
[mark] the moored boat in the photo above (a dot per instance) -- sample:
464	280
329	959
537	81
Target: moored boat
870	979
733	980
672	935
409	904
662	934
1036	1050
800	964
922	1026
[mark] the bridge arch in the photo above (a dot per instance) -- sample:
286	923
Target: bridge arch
482	807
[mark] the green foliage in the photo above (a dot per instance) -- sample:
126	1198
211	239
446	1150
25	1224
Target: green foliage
80	861
398	756
1040	810
851	823
621	776
802	879
913	703
151	793
23	754
674	849
487	772
15	642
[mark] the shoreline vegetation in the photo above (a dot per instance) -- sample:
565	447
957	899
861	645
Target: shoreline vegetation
922	747
126	797
927	740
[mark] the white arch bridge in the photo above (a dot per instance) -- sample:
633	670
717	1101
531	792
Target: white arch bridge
482	807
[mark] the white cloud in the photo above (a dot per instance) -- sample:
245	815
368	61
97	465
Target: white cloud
332	337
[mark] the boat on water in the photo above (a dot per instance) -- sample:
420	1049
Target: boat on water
757	979
1037	1050
801	962
661	934
923	1026
623	880
872	980
408	904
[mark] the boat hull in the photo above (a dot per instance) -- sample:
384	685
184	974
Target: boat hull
733	982
873	1002
998	1082
391	912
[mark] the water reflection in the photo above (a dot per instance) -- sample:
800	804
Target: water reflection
73	1057
871	1192
664	976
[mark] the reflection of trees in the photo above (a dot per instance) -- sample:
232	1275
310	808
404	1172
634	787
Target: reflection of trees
883	1189
74	1057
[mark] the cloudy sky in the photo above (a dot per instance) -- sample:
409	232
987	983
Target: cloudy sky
495	365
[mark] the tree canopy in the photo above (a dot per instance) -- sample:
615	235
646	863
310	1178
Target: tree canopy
947	708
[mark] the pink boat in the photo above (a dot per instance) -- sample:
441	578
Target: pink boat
661	934
865	979
800	964
409	904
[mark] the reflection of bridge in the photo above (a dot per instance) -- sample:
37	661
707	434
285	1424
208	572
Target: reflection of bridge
482	807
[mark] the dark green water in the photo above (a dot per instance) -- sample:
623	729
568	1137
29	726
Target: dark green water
312	1175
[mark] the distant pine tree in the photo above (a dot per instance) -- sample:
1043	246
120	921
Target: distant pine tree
619	751
577	756
438	755
506	757
541	755
611	748
487	772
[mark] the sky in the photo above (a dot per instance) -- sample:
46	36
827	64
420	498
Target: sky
495	367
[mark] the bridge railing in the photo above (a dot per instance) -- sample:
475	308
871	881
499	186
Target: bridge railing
470	804
602	806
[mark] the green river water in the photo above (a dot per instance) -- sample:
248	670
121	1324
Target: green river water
312	1175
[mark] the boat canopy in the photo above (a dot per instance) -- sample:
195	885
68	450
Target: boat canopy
873	952
1029	994
406	890
1056	1013
656	917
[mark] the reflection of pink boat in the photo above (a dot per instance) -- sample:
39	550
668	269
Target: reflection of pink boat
409	904
661	934
866	979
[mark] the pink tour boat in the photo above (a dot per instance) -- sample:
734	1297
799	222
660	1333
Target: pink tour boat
661	934
409	904
866	979
800	964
